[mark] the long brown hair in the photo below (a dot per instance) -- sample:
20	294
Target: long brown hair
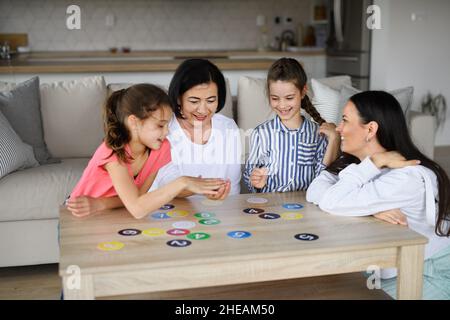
139	100
288	69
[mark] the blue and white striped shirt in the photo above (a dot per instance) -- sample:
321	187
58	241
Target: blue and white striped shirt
293	157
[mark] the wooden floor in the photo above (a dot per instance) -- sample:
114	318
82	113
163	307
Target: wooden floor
43	283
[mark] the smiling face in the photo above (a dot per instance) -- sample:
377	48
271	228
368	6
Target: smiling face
152	131
285	99
355	135
199	103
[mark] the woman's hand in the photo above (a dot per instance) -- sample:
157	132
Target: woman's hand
329	130
394	216
84	206
392	160
222	192
258	177
204	186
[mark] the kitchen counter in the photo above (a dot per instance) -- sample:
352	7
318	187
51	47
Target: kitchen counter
140	61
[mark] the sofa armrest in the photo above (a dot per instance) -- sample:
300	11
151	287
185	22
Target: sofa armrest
423	130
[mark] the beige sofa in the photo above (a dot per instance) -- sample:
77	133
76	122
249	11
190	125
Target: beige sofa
71	112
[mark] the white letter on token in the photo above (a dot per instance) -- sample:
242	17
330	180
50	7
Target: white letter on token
74	280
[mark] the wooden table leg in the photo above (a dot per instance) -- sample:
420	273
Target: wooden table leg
410	272
85	291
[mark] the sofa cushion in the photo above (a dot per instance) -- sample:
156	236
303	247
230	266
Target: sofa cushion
37	193
21	106
14	154
404	96
72	116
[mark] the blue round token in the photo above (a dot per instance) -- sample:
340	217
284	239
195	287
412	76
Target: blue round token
269	216
239	234
160	215
167	207
292	206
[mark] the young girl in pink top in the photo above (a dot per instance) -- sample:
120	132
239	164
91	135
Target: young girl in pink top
134	149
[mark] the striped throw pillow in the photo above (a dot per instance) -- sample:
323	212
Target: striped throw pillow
14	154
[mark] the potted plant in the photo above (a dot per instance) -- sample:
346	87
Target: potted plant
435	106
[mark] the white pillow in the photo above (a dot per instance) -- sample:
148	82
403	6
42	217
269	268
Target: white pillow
72	116
326	101
404	96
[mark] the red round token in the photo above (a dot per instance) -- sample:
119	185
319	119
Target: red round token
178	232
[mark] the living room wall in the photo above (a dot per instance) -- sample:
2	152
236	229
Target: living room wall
407	52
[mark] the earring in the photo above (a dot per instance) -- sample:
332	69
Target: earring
367	139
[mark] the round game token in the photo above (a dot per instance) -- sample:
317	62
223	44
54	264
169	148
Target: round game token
239	234
178	232
257	200
154	232
167	206
179	243
178	213
253	210
209	221
183	225
110	246
129	232
198	236
269	216
160	215
204	215
306	237
292	206
291	215
209	202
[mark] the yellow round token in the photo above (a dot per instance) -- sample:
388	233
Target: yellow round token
154	232
177	213
110	246
291	215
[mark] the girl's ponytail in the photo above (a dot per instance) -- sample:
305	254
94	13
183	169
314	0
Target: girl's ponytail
311	110
116	134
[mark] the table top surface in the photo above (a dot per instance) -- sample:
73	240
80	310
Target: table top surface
270	238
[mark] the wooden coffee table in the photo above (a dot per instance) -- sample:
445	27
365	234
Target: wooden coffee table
146	263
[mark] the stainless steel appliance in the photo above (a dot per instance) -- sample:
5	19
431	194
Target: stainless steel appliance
348	44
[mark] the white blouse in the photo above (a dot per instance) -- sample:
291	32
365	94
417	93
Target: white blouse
220	157
363	190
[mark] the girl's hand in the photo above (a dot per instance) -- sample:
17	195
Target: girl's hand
222	193
392	160
394	216
203	186
84	206
258	177
329	130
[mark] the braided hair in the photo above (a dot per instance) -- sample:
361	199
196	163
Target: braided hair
288	69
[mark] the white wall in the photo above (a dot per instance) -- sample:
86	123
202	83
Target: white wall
416	53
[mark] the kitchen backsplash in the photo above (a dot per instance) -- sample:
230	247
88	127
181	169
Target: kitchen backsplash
149	25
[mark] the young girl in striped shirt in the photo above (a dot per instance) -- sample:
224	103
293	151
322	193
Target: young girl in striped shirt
289	151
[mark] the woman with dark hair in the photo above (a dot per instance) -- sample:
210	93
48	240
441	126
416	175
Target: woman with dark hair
204	143
382	173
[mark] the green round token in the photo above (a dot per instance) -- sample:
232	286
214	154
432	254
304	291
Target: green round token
209	221
204	215
198	236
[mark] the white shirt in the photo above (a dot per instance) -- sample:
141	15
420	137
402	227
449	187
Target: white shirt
363	190
220	157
